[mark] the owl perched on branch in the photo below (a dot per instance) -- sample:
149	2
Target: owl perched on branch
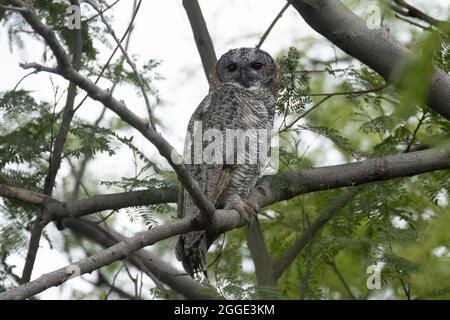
228	142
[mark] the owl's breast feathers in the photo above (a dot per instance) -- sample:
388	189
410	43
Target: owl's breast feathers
234	107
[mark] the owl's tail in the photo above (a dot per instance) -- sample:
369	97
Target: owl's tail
191	250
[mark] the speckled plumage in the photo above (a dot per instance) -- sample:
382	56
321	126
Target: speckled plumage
241	97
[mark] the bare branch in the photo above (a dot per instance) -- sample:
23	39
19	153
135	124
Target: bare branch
268	189
405	9
342	279
269	29
328	96
306	181
58	210
126	34
22	194
201	35
2	6
412	22
38	67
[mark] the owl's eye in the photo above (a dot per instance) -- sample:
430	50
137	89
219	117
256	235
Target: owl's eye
231	67
256	65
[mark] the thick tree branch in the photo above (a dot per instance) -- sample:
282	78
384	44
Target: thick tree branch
373	47
202	38
182	284
222	220
58	210
284	186
22	194
269	189
267	192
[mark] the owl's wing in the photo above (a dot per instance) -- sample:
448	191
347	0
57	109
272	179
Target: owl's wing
184	204
192	247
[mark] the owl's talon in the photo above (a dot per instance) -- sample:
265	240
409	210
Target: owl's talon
246	209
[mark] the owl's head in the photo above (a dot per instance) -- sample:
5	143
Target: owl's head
247	67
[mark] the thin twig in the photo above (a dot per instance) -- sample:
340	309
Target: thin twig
412	22
405	9
130	63
80	173
114	280
23	78
413	137
342	279
108	7
406	289
101	280
18	9
309	263
305	113
327	96
269	29
105	66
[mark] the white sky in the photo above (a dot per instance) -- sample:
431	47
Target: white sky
162	31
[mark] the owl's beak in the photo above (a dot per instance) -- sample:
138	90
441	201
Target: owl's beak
244	78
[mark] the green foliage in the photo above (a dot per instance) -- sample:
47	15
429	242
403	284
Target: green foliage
294	88
414	80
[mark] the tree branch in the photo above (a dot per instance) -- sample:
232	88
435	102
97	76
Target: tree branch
268	190
183	284
222	220
260	255
22	194
265	193
96	93
372	47
58	210
272	24
287	185
56	154
405	9
202	38
127	35
342	279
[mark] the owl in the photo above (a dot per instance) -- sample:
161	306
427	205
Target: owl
227	144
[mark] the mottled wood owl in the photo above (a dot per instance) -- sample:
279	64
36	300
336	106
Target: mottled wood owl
227	143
